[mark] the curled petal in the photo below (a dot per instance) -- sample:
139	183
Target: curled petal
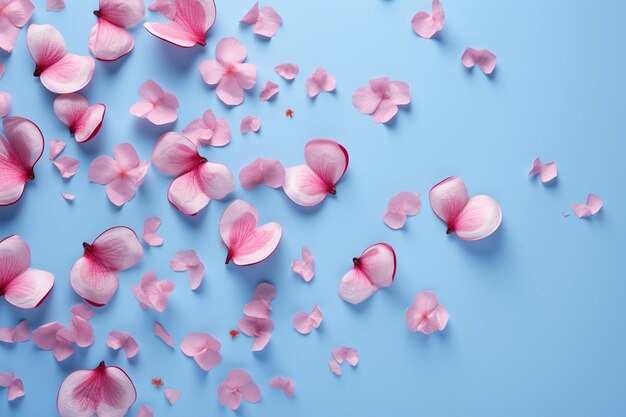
590	208
320	81
305	323
547	172
120	340
14	384
268	91
345	353
484	58
190	21
250	124
160	332
304	267
287	71
67	166
426	25
16	334
188	260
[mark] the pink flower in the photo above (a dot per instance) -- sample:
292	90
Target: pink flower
155	104
204	349
547	172
381	99
320	81
426	315
208	130
237	386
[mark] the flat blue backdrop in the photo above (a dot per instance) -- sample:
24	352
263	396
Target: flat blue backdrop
537	321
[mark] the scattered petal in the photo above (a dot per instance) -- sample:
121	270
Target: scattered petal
172	395
161	333
265	20
237	386
55	5
382	98
250	124
285	384
14	384
165	7
208	130
259	306
305	267
152	292
320	81
56	147
203	348
426	315
5	103
108	38
547	172
258	328
83	120
188	260
119	340
54	337
305	323
269	172
289	113
374	269
145	411
287	71
334	367
269	90
190	21
150	235
155	104
15	334
16	14
68	196
67	166
426	25
590	208
345	353
401	205
484	58
157	382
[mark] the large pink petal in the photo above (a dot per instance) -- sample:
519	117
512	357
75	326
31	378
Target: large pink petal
150	235
366	100
46	46
269	90
117	248
230	91
204	348
174	154
285	384
448	198
187	194
67	166
108	42
29	289
123	13
212	71
304	187
121	190
15	334
71	73
93	282
14	258
375	268
120	340
287	70
304	267
426	25
268	172
328	159
160	332
188	260
480	217
484	58
305	323
191	21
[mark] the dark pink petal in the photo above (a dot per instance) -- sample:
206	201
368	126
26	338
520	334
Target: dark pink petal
54	337
172	395
161	333
320	81
304	267
258	328
590	208
16	14
104	391
15	334
345	353
120	340
305	323
155	104
14	384
287	71
208	130
67	166
5	103
188	260
334	367
55	5
426	315
374	269
547	172
237	386
150	235
484	58
56	147
83	120
145	411
247	242
68	196
250	124
426	25
401	205
269	172
265	20
285	384
269	90
203	348
191	20
152	292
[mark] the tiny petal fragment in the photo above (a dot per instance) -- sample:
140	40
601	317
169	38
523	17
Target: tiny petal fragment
190	21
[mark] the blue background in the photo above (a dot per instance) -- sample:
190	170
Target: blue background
537	325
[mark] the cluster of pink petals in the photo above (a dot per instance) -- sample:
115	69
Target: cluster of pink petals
590	208
237	386
94	275
55	5
150	235
108	38
5	103
155	104
249	124
67	166
246	241
16	334
58	71
120	340
203	348
19	152
14	385
265	20
310	183
190	21
14	15
340	355
188	260
374	269
84	121
256	322
122	174
320	81
405	203
305	267
484	58
172	395
208	130
160	332
21	285
152	292
471	218
547	172
426	315
427	25
268	91
229	71
287	70
103	391
197	180
382	98
269	172
285	384
56	147
305	323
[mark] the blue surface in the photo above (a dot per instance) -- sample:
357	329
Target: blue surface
537	324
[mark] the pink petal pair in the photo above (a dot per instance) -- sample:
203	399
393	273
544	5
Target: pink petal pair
229	71
426	25
208	130
152	292
547	172
310	183
94	275
268	91
120	340
305	323
287	71
108	38
57	338
250	124
471	218
285	384
305	267
259	306
190	21
14	384
426	315
160	332
150	235
83	120
484	58
374	269
19	153
56	147
401	205
155	104
14	15
247	242
590	208
58	71
172	395
16	334
21	285
204	349
122	174
103	391
5	103
197	180
256	322
67	166
269	172
382	98
320	81
265	20
340	355
188	260
237	386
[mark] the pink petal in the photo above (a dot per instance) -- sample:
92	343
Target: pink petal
285	384
17	14
590	208
305	323
3	68
14	384
426	25
152	292
191	20
334	367
108	41
150	235
304	267
401	205
448	198
230	51
67	166
188	260
381	98
250	124
484	58
269	172
5	103
269	90
156	105
265	292
320	81
56	147
145	411
287	71
172	395
426	315
161	333
165	7
345	353
94	275
122	13
83	311
208	130
175	155
547	172
237	386
374	269
15	334
247	242
68	196
55	5
119	340
258	328
257	308
83	120
204	348
480	218
54	337
82	331
265	20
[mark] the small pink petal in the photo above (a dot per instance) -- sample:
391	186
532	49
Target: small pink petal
484	58
14	384
152	292
16	334
150	235
269	172
287	71
155	104
56	147
55	5
203	348
269	90
426	315
334	367
305	267
5	103
382	98
259	306
285	384
590	208
237	386
119	340
83	120
161	333
190	21
258	328
345	353
68	196
250	124
54	337
208	130
374	269
547	172
265	20
320	81
172	395
188	260
81	331
67	166
305	323
401	205
426	25
265	292
145	411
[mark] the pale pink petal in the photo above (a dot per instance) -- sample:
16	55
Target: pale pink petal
120	340
191	20
204	348
265	20
56	147
426	25
84	121
150	235
285	384
320	81
334	367
104	391
212	72
269	90
188	260
15	334
165	7
405	203
67	166
305	323
172	395
83	311
55	5
208	130
304	267
230	51
14	384
547	172
237	386
590	208
175	155
5	103
448	198
152	292
68	196
287	71
250	124
257	308
156	105
160	332
374	269
247	242
345	353
54	337
82	331
258	328
16	14
265	292
252	15
108	41
426	315
269	172
145	411
122	13
381	98
484	58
